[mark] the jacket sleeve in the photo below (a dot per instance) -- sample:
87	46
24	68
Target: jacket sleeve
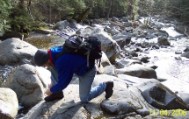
64	77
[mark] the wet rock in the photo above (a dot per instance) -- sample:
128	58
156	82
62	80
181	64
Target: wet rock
185	54
163	41
14	50
134	54
121	63
65	24
122	40
178	52
144	59
8	103
186	49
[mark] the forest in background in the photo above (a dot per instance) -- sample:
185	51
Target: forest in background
26	15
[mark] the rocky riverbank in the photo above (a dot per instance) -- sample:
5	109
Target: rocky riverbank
147	60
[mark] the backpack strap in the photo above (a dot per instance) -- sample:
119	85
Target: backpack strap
50	56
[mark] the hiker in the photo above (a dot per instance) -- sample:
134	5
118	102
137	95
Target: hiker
64	67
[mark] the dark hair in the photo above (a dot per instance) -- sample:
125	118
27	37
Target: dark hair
41	57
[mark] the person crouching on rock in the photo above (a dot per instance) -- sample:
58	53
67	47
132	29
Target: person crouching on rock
63	68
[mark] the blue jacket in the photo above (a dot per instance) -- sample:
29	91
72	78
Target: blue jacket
66	65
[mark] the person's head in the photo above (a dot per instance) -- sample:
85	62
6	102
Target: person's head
41	57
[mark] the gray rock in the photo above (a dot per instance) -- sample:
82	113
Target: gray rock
8	103
64	24
160	96
138	71
14	50
186	49
109	46
163	41
67	108
184	97
121	63
29	84
104	64
185	54
110	70
85	31
126	101
132	80
122	40
179	87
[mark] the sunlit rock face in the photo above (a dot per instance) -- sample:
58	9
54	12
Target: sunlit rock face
8	103
29	83
138	71
14	51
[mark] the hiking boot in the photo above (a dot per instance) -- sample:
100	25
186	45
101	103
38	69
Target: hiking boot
55	96
109	89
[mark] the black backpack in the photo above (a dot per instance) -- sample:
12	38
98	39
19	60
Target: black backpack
85	46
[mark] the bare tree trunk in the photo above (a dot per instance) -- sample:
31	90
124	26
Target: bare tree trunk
29	10
130	9
21	4
110	8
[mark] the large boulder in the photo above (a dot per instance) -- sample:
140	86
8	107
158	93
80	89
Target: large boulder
138	71
132	80
122	39
105	66
29	83
160	96
109	46
126	100
8	103
65	24
104	78
14	51
179	87
67	108
85	31
185	54
163	41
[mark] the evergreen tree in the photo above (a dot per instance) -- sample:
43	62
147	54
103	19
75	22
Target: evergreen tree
5	9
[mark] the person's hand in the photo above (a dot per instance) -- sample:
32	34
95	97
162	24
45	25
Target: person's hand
48	92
